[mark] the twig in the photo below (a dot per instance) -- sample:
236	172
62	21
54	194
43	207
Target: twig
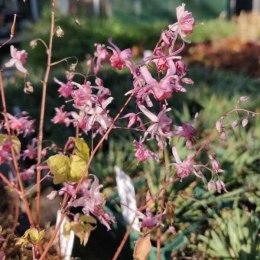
9	184
124	240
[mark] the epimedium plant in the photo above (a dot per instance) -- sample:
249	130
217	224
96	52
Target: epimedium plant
156	78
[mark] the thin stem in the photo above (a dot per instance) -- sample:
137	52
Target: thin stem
42	115
65	59
14	159
124	240
43	42
9	184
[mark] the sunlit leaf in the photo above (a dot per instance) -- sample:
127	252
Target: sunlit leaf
77	168
83	228
82	149
60	167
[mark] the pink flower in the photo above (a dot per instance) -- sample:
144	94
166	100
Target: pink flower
21	124
65	89
186	131
5	152
101	54
220	185
142	154
149	221
215	165
81	120
82	95
99	114
172	230
31	151
67	189
17	60
168	38
160	125
211	185
61	117
161	61
183	168
181	68
185	22
121	59
133	118
163	89
93	202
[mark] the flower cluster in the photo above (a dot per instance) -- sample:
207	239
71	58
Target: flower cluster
90	102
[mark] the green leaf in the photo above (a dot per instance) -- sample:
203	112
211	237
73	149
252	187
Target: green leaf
82	149
60	167
77	168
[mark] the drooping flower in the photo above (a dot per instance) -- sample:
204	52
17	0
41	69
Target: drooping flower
18	59
215	164
121	59
211	185
220	185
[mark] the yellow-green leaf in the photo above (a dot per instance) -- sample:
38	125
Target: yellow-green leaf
83	228
60	167
33	235
88	222
77	168
82	149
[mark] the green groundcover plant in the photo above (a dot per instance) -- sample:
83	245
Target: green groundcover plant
176	149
